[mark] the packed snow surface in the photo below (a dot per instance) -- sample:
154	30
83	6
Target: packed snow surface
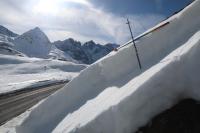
22	72
114	96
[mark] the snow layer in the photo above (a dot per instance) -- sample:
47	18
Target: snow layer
109	97
21	72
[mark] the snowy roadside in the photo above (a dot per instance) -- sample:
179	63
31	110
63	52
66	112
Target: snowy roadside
32	81
20	86
10	126
116	97
21	72
142	97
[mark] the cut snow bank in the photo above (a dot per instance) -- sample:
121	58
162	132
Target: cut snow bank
111	73
123	110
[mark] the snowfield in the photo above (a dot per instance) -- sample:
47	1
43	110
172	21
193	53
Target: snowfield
22	72
114	96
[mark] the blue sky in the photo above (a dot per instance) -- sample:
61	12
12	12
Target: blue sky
124	7
99	20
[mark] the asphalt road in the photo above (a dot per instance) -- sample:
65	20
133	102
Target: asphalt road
13	104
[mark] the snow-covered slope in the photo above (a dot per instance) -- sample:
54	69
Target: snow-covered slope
96	51
21	72
33	43
5	49
7	32
6	45
113	95
70	48
58	54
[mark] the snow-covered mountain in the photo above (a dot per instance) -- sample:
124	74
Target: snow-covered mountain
33	43
114	96
88	52
7	32
72	49
58	54
96	51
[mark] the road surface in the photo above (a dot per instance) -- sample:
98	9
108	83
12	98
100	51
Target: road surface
13	104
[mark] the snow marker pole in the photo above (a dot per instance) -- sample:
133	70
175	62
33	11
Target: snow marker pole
136	51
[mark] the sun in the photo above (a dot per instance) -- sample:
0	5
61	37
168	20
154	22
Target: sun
46	7
54	6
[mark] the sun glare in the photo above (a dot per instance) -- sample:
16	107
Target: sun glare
46	7
53	6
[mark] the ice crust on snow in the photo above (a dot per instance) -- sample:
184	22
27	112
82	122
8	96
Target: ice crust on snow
112	95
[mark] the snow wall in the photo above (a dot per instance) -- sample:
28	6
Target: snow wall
125	109
116	69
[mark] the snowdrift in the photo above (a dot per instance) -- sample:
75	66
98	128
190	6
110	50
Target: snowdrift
113	96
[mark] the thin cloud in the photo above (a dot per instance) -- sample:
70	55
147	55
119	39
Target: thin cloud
87	23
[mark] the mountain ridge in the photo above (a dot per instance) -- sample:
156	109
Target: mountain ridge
35	43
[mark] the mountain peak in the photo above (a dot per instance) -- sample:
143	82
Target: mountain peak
36	33
37	29
34	43
91	42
